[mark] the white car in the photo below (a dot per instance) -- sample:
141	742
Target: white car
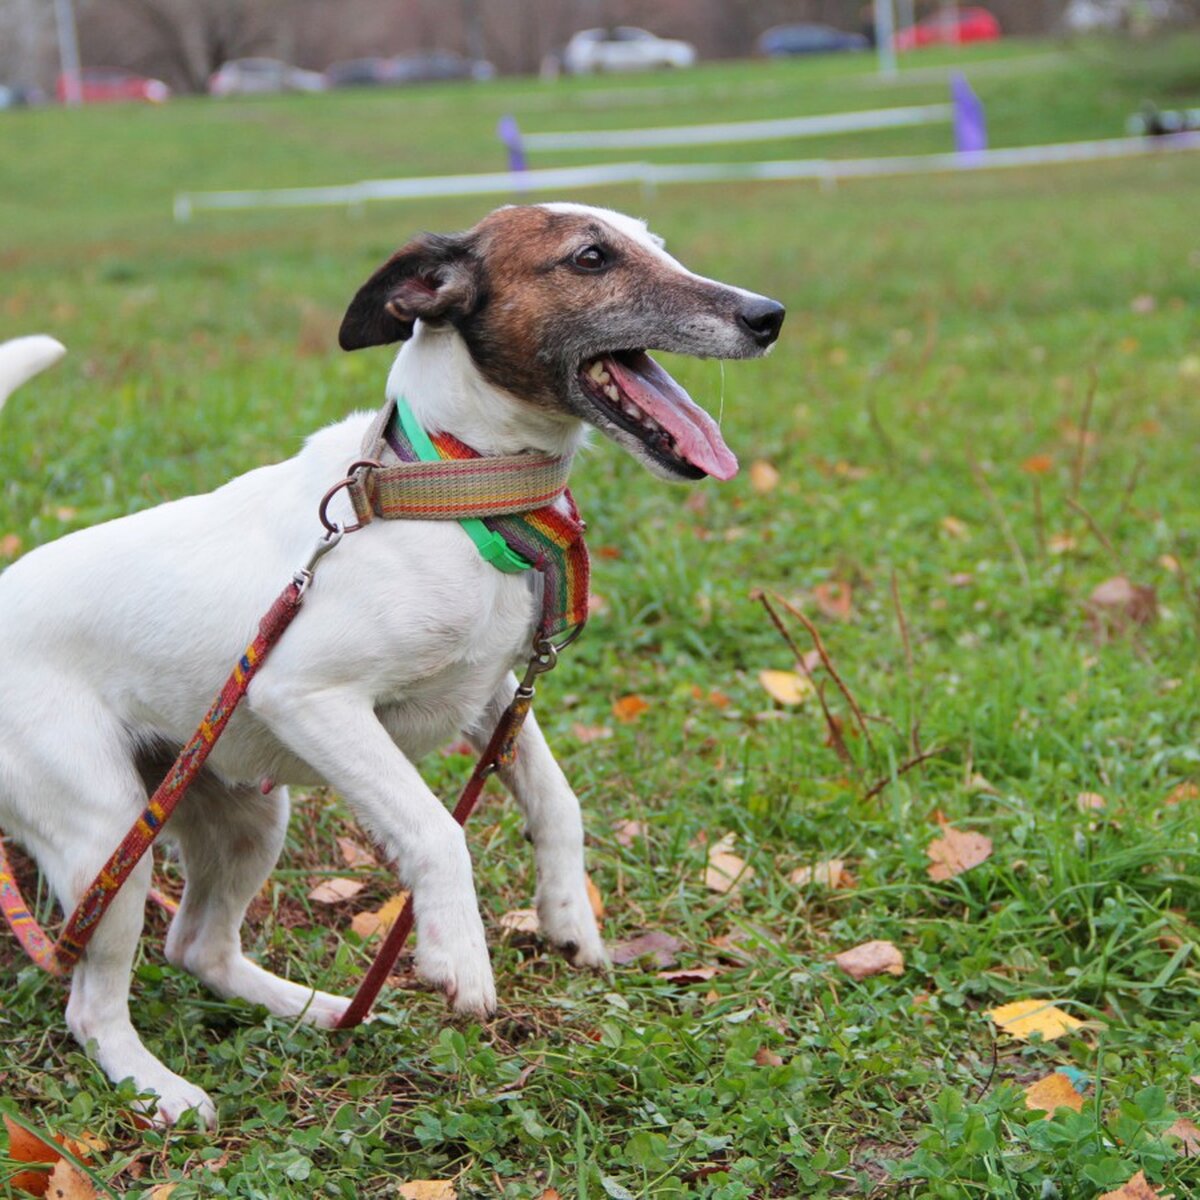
1108	16
257	76
624	49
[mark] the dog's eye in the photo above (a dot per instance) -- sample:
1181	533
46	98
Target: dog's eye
590	258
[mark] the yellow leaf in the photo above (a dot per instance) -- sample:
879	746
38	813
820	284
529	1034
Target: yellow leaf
1054	1092
786	687
163	1191
1135	1189
334	891
726	872
367	923
831	874
955	852
66	1183
1024	1018
764	478
1060	543
428	1189
871	958
629	708
520	920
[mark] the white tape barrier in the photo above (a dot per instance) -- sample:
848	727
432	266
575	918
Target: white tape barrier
827	171
739	131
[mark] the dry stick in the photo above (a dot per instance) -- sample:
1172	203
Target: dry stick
1001	517
1131	484
1085	420
835	734
1099	533
820	646
907	765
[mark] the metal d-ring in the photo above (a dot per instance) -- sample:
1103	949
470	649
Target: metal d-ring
323	512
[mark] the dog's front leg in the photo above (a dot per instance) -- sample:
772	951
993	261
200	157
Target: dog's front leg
337	733
555	827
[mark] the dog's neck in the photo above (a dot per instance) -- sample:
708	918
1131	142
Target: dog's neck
435	374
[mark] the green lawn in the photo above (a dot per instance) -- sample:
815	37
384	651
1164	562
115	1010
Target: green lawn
941	333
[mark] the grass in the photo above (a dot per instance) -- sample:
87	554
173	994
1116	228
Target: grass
941	333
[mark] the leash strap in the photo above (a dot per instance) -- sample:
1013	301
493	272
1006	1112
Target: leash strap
58	958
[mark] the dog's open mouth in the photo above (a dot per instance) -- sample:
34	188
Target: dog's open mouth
633	392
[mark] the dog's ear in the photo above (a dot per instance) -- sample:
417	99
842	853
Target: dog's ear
434	277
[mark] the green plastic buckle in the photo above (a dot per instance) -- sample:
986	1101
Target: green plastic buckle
492	547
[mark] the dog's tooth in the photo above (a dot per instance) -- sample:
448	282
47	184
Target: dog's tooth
598	372
610	390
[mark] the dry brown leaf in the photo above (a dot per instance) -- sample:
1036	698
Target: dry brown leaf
382	919
550	1194
766	1057
10	546
334	891
1182	792
662	947
726	872
354	855
1188	1134
26	1147
764	478
590	733
786	687
163	1190
428	1189
1090	802
1117	606
1023	1018
1136	1188
953	527
1054	1092
871	958
1038	464
627	832
594	898
831	874
955	852
629	708
690	974
1061	543
834	599
520	920
67	1183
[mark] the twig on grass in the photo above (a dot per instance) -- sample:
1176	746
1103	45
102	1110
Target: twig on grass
1002	518
1097	532
907	765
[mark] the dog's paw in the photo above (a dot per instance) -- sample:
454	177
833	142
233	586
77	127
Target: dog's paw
457	964
173	1099
324	1010
568	923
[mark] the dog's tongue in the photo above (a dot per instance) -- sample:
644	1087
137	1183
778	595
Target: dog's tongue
697	437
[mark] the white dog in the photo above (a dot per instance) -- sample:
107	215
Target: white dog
114	640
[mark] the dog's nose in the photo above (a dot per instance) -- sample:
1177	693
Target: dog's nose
762	319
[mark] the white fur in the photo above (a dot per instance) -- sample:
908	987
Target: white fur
22	358
125	631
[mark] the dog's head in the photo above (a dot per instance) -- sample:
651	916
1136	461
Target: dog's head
557	305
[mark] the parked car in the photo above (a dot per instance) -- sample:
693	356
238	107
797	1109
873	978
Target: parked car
105	85
809	39
1109	16
950	27
256	76
425	67
624	49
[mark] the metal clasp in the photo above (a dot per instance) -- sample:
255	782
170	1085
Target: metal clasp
303	578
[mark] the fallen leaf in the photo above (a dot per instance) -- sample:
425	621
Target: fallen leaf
1135	1189
1060	543
831	874
953	527
767	1058
1090	802
1054	1092
520	920
610	552
597	605
955	852
871	958
354	855
1024	1018
690	974
629	708
715	698
662	947
550	1194
1038	464
594	898
1182	792
164	1190
979	783
1188	1134
786	687
1117	606
428	1189
591	733
365	924
1143	304
726	872
834	599
627	832
27	1147
960	579
1169	562
67	1183
10	546
334	891
764	478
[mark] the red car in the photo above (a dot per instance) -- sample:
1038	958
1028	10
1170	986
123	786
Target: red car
102	85
950	27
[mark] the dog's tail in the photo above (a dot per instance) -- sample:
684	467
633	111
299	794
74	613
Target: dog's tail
23	357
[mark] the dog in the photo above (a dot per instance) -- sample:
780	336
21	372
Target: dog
518	334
